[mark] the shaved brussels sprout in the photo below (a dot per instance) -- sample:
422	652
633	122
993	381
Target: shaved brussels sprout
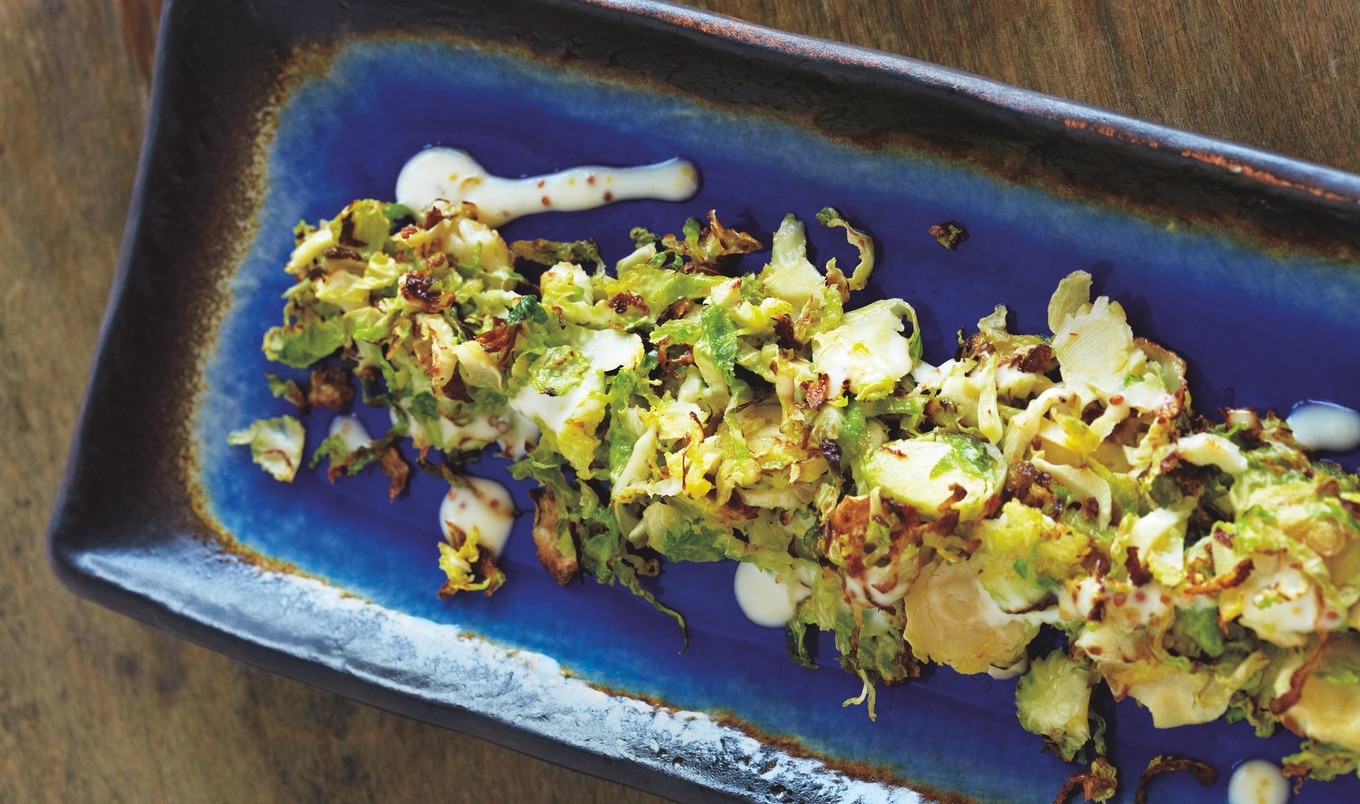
1053	700
275	444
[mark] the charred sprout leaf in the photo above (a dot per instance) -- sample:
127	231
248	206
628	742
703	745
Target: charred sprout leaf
551	252
335	451
629	578
871	648
553	538
860	240
275	444
708	247
468	567
346	459
949	234
329	387
1320	760
1162	763
642	237
287	389
1097	784
397	470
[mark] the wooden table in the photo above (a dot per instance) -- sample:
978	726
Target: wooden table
94	706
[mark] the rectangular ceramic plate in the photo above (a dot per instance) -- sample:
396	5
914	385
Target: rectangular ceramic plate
265	114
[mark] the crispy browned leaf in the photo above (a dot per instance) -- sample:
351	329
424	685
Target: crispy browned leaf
1165	763
949	234
1097	784
329	387
546	522
395	467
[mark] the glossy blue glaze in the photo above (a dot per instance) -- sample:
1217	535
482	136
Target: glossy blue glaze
1261	331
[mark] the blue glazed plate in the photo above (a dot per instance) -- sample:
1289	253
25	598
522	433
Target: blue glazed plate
1241	261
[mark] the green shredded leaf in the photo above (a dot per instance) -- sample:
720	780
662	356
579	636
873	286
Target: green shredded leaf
275	444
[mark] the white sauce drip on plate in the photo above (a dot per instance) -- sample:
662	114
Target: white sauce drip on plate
482	504
455	176
1257	781
1324	425
352	431
762	597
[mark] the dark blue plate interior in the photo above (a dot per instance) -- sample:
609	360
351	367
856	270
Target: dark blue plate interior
1252	325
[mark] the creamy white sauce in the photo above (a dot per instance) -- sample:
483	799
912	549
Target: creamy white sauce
1257	781
1148	601
878	579
453	175
986	608
478	430
1325	426
352	431
482	504
519	434
1003	673
762	597
1081	602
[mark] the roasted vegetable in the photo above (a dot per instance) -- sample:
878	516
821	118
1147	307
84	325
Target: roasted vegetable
919	512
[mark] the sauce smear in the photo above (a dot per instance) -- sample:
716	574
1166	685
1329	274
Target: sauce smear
482	504
352	431
1325	426
762	598
455	176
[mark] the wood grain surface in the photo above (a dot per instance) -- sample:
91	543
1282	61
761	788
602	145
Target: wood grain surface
94	706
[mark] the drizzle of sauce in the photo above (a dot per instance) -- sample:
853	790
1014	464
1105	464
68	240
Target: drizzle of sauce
763	598
455	176
1325	426
482	504
1257	781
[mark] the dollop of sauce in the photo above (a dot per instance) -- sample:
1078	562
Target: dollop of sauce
482	504
352	431
1325	426
1257	781
762	597
454	175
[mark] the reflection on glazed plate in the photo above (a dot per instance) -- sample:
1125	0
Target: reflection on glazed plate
1242	261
